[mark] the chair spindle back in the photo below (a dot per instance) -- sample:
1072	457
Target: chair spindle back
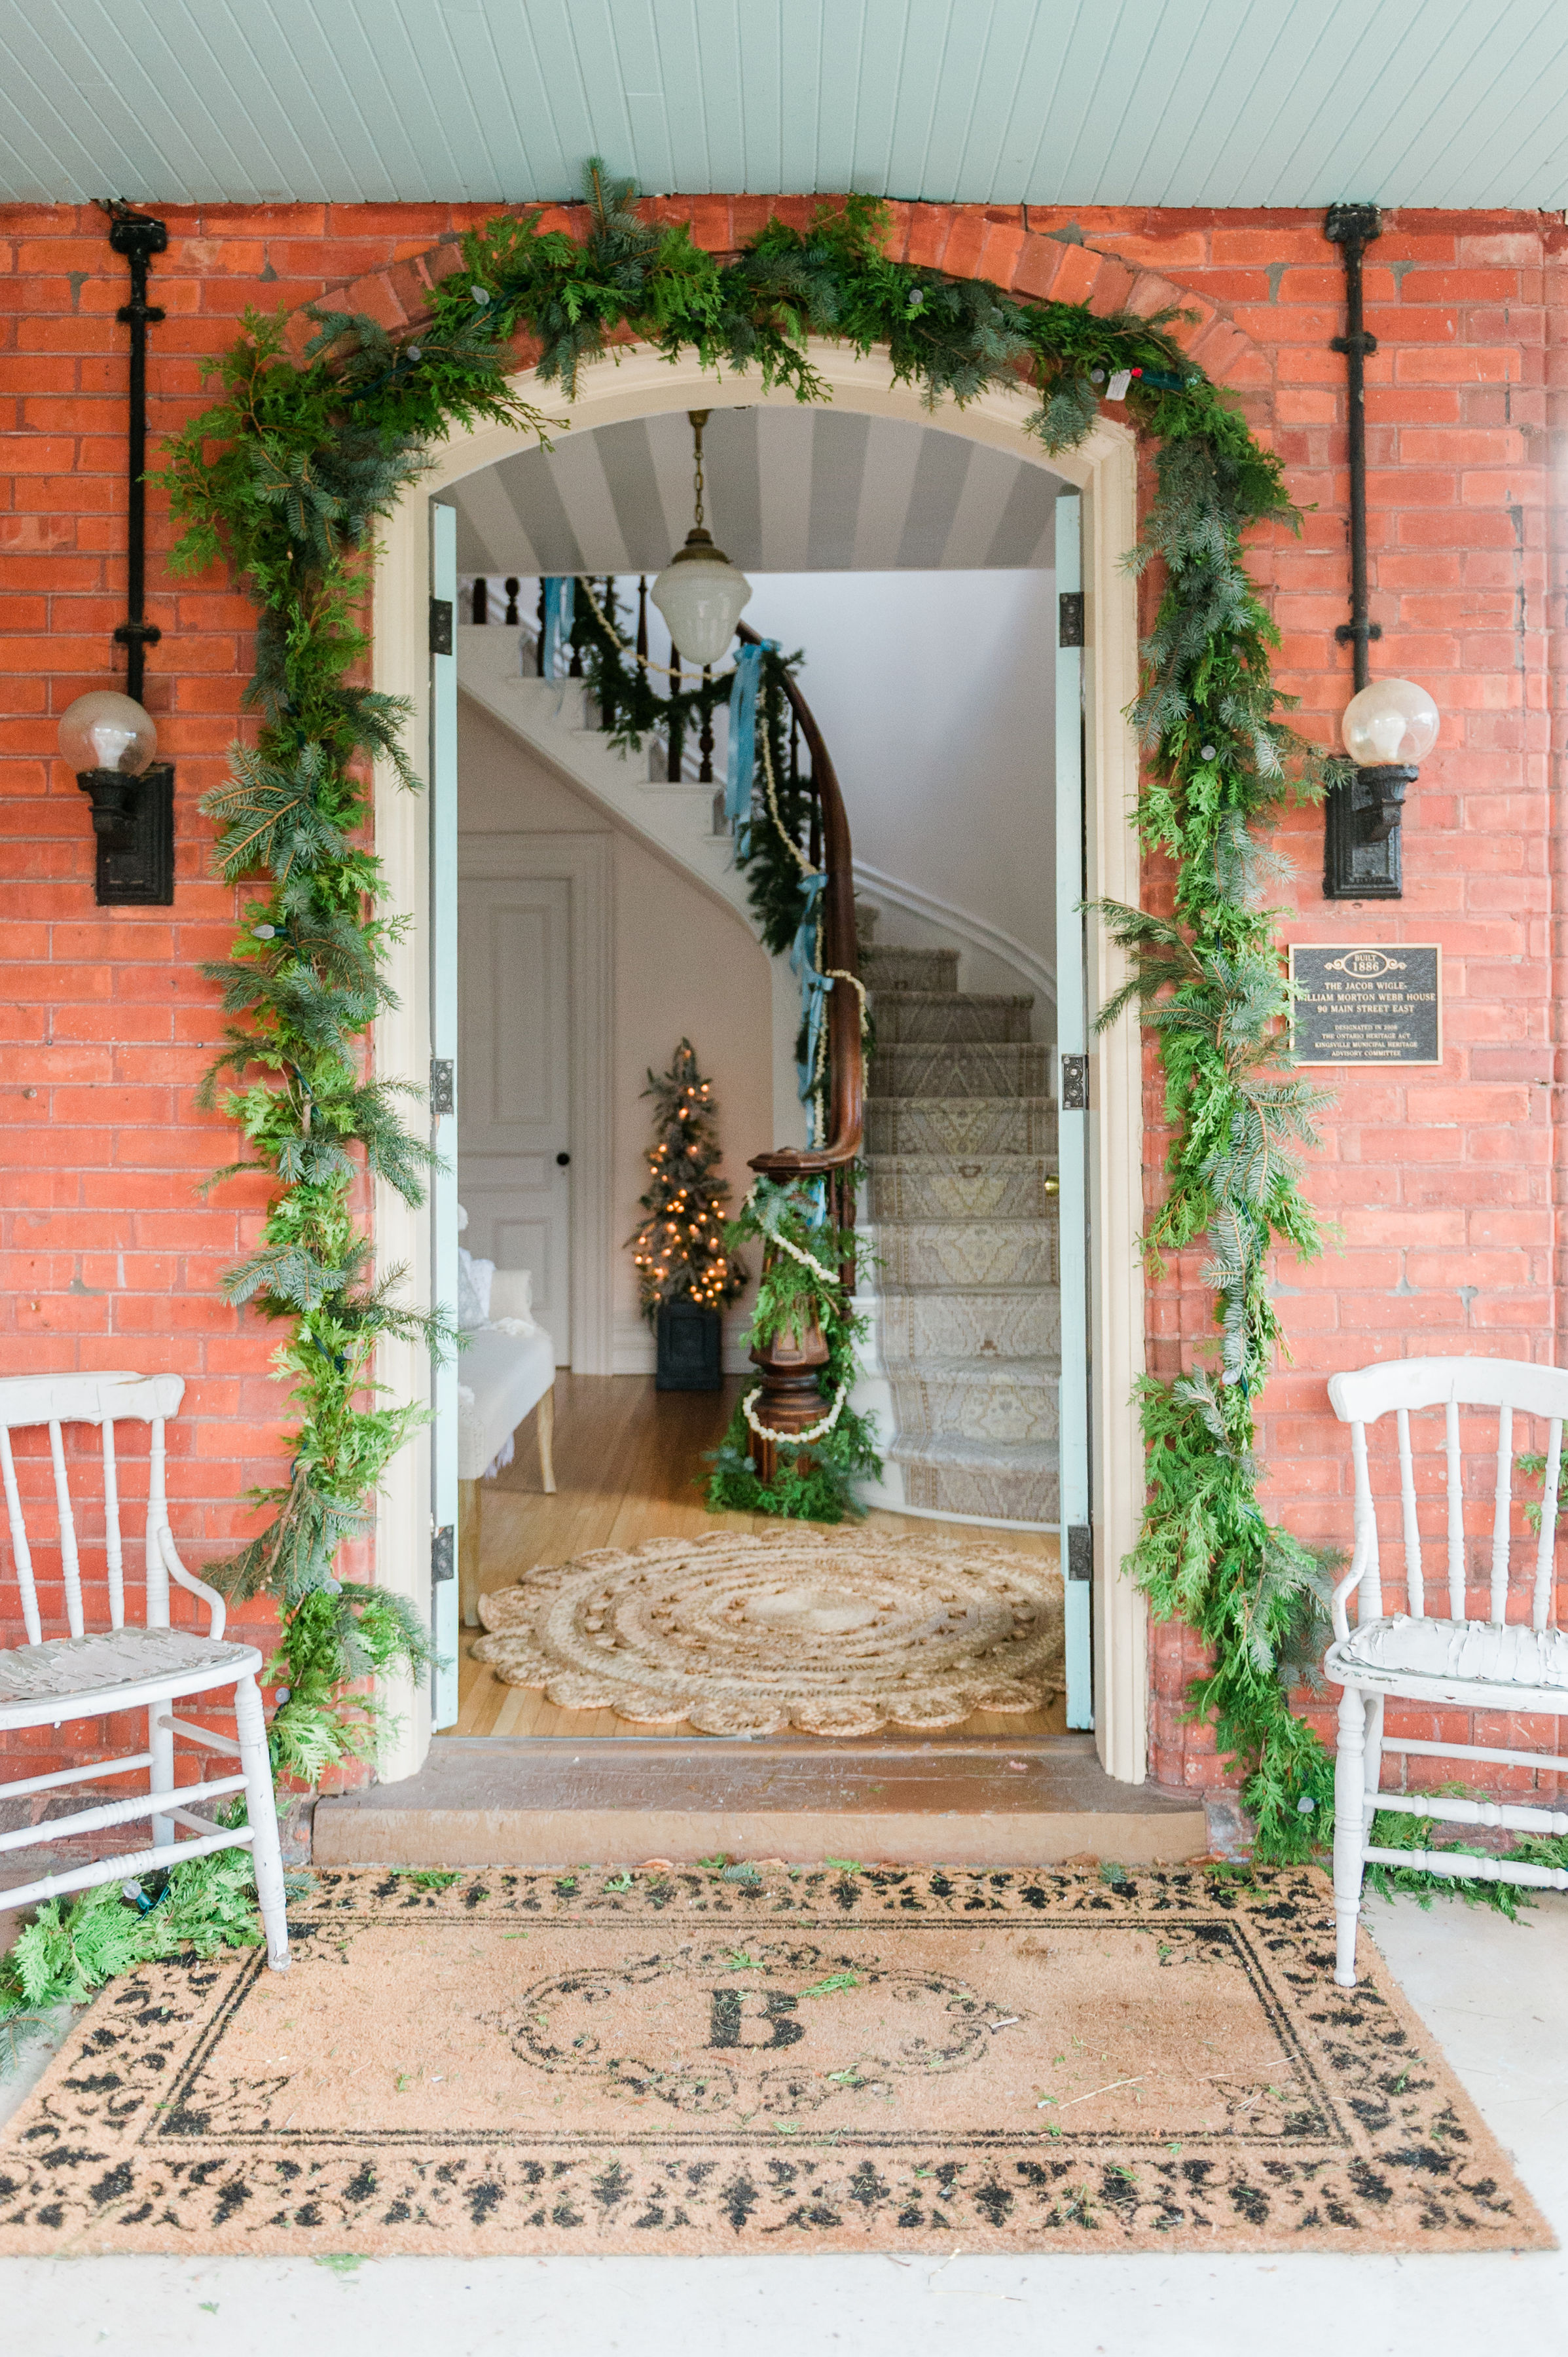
1407	1385
49	1402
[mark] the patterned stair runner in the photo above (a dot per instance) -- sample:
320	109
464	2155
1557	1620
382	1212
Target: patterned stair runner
961	1137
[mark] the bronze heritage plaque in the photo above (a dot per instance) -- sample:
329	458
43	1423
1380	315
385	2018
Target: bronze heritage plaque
1367	1004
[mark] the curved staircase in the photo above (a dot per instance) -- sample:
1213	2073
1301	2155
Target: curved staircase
961	1271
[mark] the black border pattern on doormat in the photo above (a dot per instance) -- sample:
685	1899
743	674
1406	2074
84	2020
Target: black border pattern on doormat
1379	2149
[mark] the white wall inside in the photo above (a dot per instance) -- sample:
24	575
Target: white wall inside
935	693
684	964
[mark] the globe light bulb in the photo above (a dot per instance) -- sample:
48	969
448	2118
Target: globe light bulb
702	597
106	731
1391	721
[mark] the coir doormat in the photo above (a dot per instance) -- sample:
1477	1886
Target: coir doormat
838	2059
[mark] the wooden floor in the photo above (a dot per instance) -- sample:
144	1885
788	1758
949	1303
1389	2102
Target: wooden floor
629	1465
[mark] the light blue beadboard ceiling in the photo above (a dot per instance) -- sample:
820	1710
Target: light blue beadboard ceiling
1230	103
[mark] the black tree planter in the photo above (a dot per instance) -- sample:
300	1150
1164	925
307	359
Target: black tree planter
690	1348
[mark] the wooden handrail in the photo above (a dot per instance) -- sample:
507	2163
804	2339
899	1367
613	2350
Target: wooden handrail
846	1056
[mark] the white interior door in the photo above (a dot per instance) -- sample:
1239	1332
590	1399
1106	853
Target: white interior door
514	1139
1072	1117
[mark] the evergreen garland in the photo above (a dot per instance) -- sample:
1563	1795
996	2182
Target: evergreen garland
814	1482
680	1249
287	477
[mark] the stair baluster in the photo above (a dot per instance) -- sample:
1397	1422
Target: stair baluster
706	740
607	693
676	757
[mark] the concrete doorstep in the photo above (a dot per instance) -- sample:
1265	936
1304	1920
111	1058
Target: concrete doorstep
617	1800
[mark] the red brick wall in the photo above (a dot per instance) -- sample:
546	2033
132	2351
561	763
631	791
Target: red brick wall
1444	1182
109	1257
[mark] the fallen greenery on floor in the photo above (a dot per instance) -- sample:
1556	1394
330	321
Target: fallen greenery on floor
72	1947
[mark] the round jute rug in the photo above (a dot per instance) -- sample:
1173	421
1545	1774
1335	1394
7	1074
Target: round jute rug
831	1634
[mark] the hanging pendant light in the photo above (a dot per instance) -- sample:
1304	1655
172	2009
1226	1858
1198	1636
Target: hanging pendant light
700	593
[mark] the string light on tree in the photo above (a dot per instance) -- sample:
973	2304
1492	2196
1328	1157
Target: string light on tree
679	1250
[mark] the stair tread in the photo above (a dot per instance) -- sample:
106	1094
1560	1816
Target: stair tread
965	1221
988	1293
984	1362
952	1047
934	1162
911	996
993	1294
952	1448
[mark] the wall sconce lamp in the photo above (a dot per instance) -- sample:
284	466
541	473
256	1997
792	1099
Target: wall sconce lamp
1388	729
1391	725
107	737
109	741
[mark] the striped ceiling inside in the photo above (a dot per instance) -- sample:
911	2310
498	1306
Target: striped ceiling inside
787	491
1459	102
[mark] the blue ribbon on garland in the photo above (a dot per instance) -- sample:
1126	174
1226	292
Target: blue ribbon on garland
560	601
742	764
815	984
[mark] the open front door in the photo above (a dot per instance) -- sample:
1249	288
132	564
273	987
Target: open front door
442	791
1072	1117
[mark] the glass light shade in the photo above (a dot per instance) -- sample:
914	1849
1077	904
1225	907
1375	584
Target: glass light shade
106	731
702	597
1393	720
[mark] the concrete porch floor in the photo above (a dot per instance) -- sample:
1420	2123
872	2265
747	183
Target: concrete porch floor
1490	1992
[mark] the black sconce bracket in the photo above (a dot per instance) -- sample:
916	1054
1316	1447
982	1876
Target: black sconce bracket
1361	828
133	821
132	818
1362	834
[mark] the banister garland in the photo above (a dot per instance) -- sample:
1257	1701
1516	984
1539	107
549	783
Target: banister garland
287	477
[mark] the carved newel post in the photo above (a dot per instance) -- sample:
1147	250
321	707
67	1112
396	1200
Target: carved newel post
790	1401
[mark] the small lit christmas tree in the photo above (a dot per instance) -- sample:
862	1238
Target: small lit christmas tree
680	1247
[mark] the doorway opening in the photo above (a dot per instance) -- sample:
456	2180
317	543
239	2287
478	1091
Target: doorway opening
600	917
417	1508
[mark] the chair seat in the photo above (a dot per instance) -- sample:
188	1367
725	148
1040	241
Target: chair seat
77	1669
1473	1652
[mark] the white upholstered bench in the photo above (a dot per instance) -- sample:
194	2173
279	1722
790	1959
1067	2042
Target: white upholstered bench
505	1371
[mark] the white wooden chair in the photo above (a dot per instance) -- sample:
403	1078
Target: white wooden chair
1445	1661
50	1680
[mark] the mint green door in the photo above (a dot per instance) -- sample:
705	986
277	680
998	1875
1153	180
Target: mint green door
443	792
1070	1063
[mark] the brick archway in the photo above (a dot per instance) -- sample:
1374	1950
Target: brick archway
1001	244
